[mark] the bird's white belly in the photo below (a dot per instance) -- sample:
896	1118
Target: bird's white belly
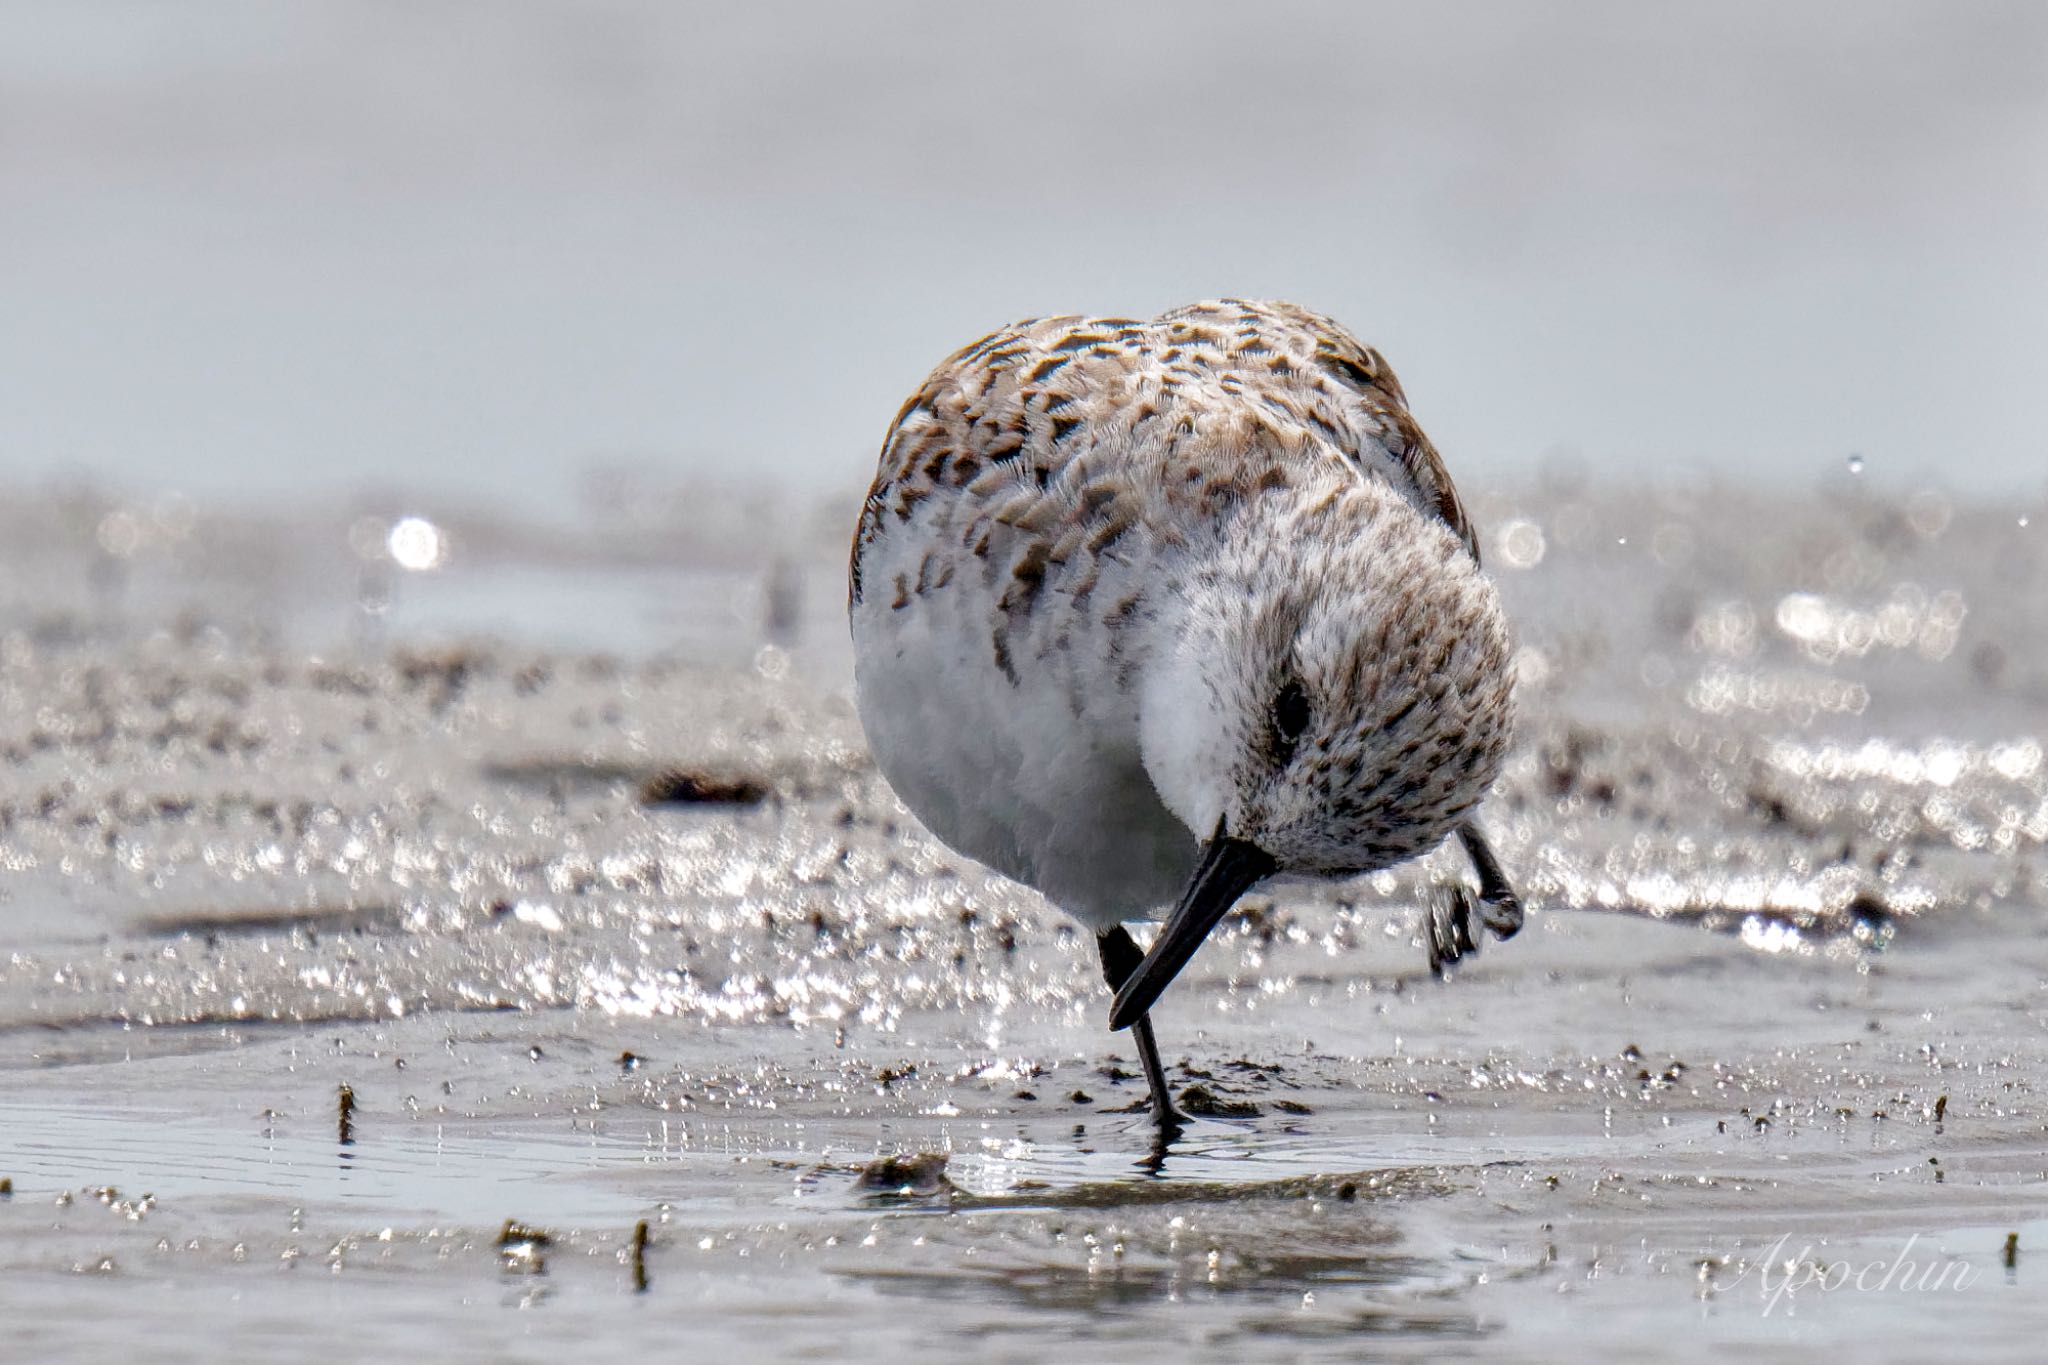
1007	772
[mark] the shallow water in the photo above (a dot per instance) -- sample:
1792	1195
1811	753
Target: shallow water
566	859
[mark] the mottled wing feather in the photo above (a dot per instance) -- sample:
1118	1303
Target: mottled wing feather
1018	419
1318	354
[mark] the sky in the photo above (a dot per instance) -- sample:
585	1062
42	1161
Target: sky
253	251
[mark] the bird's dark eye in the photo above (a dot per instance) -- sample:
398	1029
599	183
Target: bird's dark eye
1290	716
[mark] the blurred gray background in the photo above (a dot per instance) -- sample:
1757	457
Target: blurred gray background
258	250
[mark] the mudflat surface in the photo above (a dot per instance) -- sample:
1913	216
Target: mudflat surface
565	861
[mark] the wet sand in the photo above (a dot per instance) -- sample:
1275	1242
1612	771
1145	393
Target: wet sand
566	860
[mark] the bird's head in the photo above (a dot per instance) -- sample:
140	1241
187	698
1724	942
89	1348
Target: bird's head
1330	694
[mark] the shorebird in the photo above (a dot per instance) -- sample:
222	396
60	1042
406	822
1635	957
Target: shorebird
1148	612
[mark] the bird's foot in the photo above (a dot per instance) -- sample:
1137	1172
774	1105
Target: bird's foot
1168	1118
1165	1115
1501	913
1170	1122
1448	919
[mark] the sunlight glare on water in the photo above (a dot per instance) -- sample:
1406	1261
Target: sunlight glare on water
416	544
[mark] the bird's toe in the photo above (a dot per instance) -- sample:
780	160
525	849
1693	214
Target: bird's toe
1448	921
1502	915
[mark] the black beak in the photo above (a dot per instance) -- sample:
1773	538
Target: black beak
1230	867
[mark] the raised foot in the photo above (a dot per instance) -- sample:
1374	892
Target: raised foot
1501	914
1448	919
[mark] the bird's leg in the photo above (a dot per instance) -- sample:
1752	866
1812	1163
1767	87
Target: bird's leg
1500	909
1449	920
1120	957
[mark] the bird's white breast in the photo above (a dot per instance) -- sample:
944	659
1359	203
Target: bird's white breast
1038	775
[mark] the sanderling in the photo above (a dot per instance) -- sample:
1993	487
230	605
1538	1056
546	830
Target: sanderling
1145	613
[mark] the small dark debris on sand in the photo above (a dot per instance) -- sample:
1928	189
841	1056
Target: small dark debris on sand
1292	1107
516	1233
640	1257
1199	1101
1263	1070
520	1248
676	787
445	672
920	1173
6	1187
